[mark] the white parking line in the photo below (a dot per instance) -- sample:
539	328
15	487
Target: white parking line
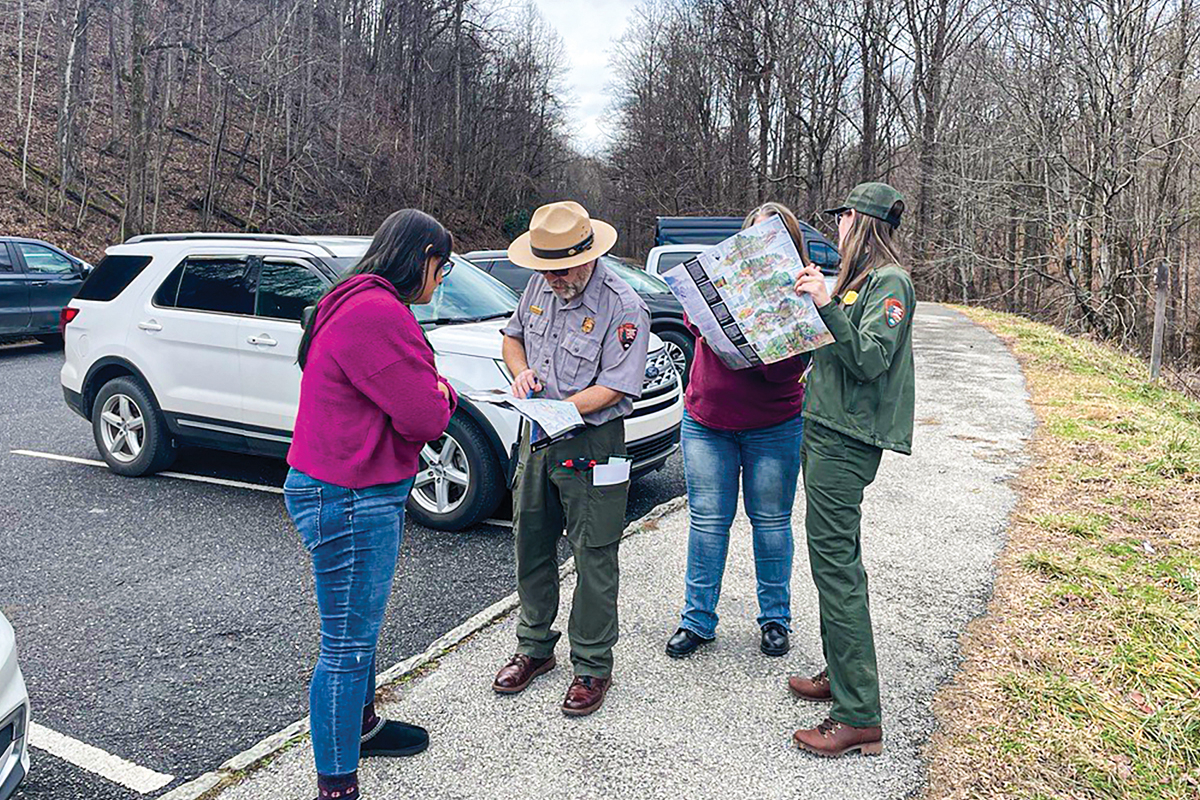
183	476
96	761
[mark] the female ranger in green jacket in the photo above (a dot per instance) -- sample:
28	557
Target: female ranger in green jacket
858	403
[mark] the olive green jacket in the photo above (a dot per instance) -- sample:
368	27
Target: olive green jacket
862	384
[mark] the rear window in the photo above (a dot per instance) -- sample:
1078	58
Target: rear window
111	276
668	261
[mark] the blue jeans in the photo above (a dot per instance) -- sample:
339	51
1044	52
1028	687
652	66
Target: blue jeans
354	538
768	461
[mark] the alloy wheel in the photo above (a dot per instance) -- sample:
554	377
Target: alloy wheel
122	428
678	357
444	477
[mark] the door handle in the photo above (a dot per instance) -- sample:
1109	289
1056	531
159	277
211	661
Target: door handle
264	340
40	283
150	325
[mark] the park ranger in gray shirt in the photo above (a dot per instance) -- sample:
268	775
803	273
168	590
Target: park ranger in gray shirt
579	334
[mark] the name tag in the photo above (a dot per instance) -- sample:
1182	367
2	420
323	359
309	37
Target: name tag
535	310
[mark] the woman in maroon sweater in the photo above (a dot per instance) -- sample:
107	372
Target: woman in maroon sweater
370	399
741	423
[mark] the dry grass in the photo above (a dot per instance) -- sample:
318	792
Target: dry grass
1083	679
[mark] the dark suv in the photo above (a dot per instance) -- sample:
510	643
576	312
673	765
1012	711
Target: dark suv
36	281
666	314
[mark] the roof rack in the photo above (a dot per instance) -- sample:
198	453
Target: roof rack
255	237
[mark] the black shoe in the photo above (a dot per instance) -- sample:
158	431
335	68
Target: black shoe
684	643
774	640
394	739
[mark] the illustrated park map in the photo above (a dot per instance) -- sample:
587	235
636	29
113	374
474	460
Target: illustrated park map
740	294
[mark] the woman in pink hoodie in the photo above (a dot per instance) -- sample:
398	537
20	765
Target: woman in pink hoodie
370	399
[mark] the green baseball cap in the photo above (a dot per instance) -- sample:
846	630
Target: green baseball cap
874	199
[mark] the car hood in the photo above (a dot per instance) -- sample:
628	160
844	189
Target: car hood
481	339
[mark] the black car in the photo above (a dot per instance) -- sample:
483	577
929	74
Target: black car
666	314
37	280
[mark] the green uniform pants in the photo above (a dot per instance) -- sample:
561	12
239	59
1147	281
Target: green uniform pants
837	468
547	499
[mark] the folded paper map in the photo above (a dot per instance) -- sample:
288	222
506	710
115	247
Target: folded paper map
741	295
554	417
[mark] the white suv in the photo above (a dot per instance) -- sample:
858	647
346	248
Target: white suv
190	339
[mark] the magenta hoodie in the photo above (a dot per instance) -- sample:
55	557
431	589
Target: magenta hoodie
368	399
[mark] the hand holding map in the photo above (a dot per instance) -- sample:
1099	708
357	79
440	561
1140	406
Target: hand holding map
741	295
554	417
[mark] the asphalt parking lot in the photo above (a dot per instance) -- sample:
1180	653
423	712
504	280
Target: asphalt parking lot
171	623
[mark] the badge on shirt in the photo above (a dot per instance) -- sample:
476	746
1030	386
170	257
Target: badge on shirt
535	310
627	334
849	298
589	324
893	312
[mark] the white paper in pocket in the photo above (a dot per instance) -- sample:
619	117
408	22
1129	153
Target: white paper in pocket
610	474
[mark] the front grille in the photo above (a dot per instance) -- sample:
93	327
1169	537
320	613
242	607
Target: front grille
647	449
660	373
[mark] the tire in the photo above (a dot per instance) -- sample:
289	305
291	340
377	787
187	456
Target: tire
51	340
465	503
681	346
124	401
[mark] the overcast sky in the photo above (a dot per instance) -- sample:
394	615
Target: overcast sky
588	28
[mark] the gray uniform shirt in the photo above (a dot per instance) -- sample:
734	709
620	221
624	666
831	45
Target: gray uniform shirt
599	338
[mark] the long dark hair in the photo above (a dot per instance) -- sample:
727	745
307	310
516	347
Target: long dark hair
399	252
868	246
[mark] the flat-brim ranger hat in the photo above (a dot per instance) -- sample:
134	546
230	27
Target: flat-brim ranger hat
874	199
561	236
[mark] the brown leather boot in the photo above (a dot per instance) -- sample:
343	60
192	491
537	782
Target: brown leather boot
585	695
814	689
832	739
520	670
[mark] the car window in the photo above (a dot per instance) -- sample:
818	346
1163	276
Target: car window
512	276
668	260
43	260
112	275
468	293
209	284
641	282
285	289
823	255
6	264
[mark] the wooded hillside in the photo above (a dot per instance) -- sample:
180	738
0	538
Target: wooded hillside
1047	147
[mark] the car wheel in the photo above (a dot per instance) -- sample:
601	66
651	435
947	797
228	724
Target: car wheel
459	480
680	347
129	429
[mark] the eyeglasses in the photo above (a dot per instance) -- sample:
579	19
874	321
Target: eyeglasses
559	273
446	267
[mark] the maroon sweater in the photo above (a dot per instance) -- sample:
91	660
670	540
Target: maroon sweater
743	399
368	399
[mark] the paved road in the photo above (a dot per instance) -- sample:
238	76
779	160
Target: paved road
718	725
173	623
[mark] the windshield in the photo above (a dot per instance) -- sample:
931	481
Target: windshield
641	282
469	294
